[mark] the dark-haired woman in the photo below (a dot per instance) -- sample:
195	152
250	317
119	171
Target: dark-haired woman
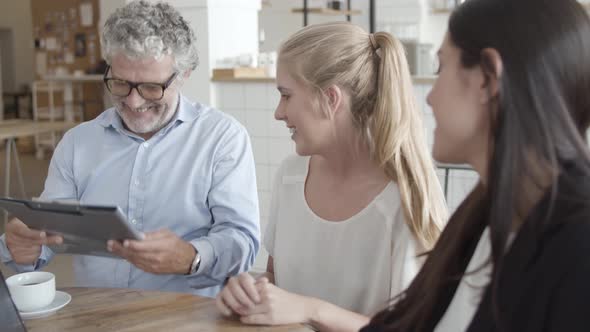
513	100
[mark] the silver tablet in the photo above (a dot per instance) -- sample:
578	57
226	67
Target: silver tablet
85	228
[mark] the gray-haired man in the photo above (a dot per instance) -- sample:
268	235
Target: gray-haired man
182	172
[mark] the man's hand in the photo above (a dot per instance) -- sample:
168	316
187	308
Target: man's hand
25	244
161	252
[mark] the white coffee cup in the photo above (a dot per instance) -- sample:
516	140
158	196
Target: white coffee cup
31	291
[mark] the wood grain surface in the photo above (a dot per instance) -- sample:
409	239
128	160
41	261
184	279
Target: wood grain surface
129	310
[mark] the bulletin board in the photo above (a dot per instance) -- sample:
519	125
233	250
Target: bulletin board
65	34
66	37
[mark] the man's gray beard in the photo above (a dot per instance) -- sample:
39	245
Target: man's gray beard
161	122
142	128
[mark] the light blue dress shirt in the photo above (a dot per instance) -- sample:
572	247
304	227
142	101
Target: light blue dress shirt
195	177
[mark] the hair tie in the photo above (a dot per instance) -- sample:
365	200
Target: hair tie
373	41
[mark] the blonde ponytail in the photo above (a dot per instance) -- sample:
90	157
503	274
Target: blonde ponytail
399	143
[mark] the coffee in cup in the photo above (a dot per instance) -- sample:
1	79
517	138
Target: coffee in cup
31	291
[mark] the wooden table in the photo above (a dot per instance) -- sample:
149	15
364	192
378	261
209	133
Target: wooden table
127	310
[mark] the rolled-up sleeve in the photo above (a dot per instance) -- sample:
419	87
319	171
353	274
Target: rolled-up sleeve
233	241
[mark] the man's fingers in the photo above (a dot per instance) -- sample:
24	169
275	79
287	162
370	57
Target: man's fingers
160	234
25	233
116	248
19	232
150	242
151	245
142	260
53	239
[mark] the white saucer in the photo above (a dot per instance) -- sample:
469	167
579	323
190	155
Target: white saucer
61	300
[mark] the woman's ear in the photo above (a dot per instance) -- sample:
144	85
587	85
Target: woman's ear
492	68
335	98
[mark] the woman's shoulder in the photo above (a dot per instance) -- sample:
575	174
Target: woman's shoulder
572	236
569	211
564	239
566	227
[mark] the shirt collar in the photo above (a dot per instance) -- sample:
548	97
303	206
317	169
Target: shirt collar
186	112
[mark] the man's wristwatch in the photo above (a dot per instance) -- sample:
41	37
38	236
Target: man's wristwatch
196	263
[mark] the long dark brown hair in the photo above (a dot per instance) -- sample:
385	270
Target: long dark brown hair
539	122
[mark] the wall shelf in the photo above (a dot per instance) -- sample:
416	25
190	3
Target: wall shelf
446	9
586	5
346	11
441	11
327	11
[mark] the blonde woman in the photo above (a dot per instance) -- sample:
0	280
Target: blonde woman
361	200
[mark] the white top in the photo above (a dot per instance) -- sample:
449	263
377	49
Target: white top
468	295
358	264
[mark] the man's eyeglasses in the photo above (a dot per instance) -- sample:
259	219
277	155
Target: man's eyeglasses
148	91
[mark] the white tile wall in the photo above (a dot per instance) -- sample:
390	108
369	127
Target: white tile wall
462	182
255	95
261	152
253	104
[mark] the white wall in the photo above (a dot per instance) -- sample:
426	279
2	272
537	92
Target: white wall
400	17
279	22
198	86
16	15
433	29
232	29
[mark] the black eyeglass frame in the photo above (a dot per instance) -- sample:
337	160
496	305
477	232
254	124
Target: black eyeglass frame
134	85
